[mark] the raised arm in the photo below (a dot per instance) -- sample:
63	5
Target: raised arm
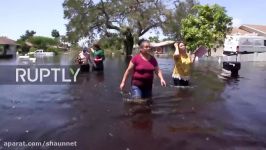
126	74
92	50
176	54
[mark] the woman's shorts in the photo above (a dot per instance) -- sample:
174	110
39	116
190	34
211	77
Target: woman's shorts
180	82
98	66
85	68
138	93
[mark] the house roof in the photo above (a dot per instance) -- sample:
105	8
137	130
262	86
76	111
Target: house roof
257	29
260	28
163	43
239	31
6	41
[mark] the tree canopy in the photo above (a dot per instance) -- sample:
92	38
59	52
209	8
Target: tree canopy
55	33
42	42
27	35
129	18
172	26
208	27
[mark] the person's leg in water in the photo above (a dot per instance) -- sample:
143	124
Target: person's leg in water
98	66
146	93
136	92
85	68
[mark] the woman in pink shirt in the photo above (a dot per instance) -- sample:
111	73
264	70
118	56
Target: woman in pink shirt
142	67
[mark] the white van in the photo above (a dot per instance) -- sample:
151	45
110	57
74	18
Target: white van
244	44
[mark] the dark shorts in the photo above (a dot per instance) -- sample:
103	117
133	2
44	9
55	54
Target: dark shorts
98	66
85	68
180	82
137	92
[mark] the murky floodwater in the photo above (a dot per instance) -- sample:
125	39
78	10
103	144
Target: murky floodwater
214	114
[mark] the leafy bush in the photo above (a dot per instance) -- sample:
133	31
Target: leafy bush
33	49
112	43
41	42
23	47
53	49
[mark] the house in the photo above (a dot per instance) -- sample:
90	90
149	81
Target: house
7	47
163	47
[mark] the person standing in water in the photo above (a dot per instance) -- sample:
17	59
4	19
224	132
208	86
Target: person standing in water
84	60
142	67
99	57
183	62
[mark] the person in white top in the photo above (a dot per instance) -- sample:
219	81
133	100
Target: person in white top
84	60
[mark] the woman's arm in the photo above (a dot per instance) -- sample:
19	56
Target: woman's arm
176	54
126	74
92	50
159	73
193	57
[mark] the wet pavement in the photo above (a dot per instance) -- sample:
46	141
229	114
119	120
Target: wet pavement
214	113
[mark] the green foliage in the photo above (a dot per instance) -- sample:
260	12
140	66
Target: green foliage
53	49
24	48
154	39
41	42
27	35
33	49
127	18
55	33
172	26
113	42
207	27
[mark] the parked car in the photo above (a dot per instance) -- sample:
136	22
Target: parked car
41	52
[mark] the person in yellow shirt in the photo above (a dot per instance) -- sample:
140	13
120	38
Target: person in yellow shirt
182	67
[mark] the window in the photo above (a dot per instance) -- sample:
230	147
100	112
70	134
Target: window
264	42
258	42
1	49
246	41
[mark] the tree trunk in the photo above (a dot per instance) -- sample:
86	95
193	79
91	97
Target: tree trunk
128	43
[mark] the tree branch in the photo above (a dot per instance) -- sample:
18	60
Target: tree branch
148	28
139	28
107	21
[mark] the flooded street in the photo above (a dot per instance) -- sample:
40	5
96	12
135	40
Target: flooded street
213	114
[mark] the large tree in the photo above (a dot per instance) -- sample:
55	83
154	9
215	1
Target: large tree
128	18
27	35
208	27
24	39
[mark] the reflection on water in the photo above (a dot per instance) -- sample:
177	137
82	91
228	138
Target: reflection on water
214	114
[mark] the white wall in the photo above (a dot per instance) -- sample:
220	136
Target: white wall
247	57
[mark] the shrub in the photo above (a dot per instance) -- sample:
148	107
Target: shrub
43	42
53	49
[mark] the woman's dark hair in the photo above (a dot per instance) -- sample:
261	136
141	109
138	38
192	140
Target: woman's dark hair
96	46
142	41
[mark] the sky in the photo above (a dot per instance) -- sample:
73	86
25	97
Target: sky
43	16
